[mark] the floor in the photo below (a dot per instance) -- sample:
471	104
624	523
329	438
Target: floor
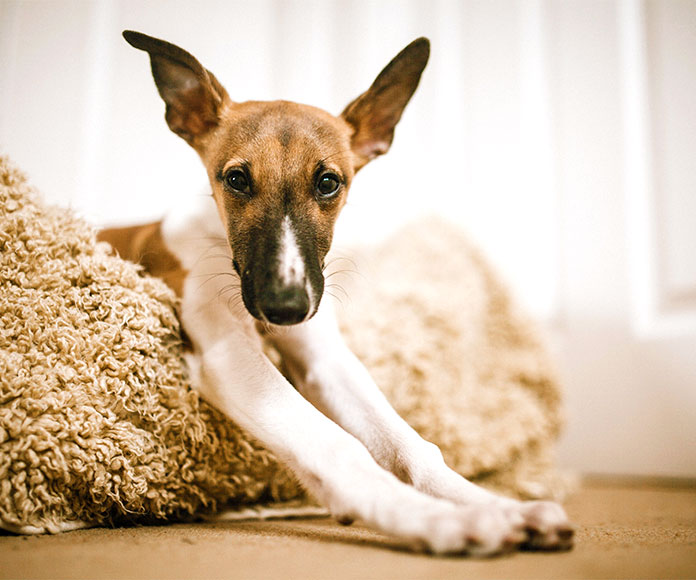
624	531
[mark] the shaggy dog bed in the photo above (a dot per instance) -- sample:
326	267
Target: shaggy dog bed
98	423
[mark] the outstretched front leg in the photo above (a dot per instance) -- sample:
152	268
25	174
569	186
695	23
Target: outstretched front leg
329	375
232	372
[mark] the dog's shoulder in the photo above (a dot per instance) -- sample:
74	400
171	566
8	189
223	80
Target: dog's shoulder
145	245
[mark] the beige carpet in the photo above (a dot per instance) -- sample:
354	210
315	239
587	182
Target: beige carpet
624	531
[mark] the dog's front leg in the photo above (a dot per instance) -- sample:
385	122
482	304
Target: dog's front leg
232	372
327	373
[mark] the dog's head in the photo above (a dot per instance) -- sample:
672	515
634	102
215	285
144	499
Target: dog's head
279	171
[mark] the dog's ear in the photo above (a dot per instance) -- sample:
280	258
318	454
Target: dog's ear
193	95
375	113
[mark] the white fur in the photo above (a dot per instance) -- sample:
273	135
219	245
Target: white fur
290	264
191	229
336	430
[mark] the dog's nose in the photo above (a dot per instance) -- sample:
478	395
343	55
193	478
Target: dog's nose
286	306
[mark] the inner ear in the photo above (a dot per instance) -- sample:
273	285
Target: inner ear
192	103
375	113
192	94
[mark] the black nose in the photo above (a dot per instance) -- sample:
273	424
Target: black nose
286	306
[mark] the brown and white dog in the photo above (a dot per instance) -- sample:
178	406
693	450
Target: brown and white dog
280	173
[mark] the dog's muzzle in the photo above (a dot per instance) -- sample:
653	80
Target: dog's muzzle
282	278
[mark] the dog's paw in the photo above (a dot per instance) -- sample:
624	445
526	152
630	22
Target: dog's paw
546	526
505	525
480	530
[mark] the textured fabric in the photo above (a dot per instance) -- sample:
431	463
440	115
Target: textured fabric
454	355
98	423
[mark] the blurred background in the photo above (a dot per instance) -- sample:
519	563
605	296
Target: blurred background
560	134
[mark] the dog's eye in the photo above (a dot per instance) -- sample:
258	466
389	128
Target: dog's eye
236	180
328	185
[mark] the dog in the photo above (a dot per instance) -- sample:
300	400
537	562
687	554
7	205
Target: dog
279	174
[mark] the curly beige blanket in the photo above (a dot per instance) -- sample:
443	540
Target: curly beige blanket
98	424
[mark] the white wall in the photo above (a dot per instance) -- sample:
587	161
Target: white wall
560	134
474	144
628	353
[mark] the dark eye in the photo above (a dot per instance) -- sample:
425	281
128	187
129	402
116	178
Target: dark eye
328	185
236	180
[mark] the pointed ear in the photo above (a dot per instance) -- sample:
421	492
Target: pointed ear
193	95
375	113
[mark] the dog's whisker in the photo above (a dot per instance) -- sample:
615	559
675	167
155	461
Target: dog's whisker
211	277
213	274
225	289
268	329
207	255
336	259
336	298
215	257
207	237
344	272
234	304
338	287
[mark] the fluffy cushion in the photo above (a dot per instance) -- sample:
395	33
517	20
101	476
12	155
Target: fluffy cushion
98	424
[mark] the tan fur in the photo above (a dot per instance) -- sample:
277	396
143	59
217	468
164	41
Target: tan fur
281	142
144	245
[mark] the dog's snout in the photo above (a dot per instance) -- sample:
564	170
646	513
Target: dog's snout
285	306
282	282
